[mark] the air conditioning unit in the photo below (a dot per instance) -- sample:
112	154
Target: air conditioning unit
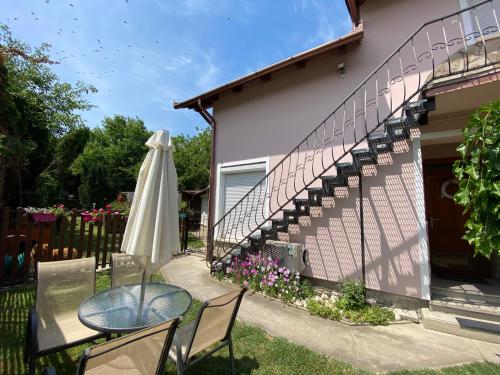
289	255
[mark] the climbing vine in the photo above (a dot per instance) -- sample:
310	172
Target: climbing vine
478	173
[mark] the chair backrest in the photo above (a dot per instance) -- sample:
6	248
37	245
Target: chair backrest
124	270
140	353
214	322
62	286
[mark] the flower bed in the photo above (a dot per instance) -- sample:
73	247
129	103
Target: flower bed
350	305
264	275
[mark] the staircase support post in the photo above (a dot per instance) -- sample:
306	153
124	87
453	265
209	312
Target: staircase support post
362	226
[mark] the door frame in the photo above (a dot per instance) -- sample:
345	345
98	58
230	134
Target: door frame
426	163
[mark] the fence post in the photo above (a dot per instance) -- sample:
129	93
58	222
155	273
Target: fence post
98	242
28	249
15	246
106	239
71	237
62	235
184	230
3	239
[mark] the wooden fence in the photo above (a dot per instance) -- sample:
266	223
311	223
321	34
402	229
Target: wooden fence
24	241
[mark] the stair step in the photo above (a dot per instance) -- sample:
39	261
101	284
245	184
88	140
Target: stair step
246	249
280	225
417	111
331	182
290	216
380	143
465	308
347	169
470	295
315	196
255	239
268	233
458	325
301	206
398	129
364	156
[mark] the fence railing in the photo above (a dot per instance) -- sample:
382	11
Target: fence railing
24	240
194	231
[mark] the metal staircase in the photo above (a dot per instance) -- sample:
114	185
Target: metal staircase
380	112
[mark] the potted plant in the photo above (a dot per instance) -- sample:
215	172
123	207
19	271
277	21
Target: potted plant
94	215
41	215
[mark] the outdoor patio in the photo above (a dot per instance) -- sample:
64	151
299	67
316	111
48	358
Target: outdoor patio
375	349
262	335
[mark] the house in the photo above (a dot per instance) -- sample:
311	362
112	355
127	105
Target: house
197	200
347	148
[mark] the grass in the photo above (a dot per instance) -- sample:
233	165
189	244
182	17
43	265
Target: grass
256	351
195	243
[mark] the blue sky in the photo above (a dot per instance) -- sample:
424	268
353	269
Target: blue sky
143	54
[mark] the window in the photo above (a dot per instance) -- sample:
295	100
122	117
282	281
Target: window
235	181
481	19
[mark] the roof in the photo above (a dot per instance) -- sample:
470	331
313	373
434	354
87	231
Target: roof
264	74
195	192
353	8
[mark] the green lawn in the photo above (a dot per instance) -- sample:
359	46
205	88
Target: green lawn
256	351
195	243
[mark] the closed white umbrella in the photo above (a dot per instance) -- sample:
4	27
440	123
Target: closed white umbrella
152	232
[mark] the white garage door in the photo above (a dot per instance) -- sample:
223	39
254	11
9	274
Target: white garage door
239	184
236	186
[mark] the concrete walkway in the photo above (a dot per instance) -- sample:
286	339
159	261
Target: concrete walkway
377	349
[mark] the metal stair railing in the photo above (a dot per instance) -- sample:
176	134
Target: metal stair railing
455	44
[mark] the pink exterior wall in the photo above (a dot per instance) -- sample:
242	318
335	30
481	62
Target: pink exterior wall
268	119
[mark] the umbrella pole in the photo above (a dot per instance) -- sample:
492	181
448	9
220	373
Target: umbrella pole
141	299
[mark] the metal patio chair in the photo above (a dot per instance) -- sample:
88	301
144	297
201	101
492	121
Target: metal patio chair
53	323
140	353
213	325
124	270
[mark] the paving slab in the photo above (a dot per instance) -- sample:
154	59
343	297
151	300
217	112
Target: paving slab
377	349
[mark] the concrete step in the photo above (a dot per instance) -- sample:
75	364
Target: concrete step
463	307
469	294
478	329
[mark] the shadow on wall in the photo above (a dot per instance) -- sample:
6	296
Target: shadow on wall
391	231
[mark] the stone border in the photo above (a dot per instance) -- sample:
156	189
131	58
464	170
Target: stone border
343	320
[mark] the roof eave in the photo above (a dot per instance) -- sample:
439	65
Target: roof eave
209	97
353	8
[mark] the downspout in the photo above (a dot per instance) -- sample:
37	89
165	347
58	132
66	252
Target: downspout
362	228
211	191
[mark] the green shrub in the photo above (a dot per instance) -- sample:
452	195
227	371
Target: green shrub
322	309
352	295
306	290
374	315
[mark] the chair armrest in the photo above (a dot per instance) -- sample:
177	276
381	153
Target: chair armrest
31	342
49	371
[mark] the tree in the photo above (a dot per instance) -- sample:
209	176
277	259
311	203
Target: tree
478	173
46	109
111	160
192	159
57	181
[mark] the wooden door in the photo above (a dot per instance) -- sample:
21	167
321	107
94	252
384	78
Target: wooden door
445	223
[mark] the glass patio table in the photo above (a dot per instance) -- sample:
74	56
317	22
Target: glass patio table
115	310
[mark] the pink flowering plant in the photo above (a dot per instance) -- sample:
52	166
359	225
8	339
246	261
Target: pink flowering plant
266	276
96	215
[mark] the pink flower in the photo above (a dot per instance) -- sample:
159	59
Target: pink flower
108	206
245	283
